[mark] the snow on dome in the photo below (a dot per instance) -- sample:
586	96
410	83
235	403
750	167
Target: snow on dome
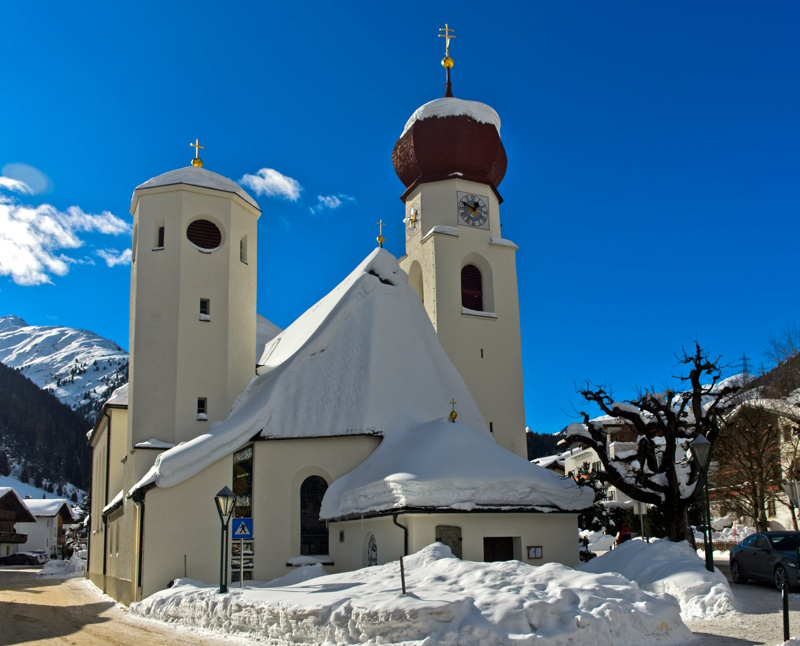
365	351
448	465
451	107
195	176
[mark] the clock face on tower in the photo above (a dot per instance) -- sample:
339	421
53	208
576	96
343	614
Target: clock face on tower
473	210
413	218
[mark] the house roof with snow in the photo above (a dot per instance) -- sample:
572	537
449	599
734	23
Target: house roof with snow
48	507
195	176
366	350
10	501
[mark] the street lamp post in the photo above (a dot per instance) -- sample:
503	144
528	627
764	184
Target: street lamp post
225	501
701	453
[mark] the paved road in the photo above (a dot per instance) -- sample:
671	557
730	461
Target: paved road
39	610
759	620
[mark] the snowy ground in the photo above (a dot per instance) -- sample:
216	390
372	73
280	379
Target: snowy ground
449	602
74	567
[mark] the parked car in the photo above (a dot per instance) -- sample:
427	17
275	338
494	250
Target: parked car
767	556
20	558
41	555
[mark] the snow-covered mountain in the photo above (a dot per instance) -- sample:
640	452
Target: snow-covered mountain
79	367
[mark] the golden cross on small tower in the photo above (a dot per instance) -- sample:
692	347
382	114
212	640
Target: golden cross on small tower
447	62
380	237
453	414
197	161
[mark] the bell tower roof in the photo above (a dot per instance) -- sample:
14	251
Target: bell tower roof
197	176
449	138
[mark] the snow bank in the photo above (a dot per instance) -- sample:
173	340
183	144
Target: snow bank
452	107
670	568
74	567
449	602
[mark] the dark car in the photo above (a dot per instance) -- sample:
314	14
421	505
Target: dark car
767	556
21	558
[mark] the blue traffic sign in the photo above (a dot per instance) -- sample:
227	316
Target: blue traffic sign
242	528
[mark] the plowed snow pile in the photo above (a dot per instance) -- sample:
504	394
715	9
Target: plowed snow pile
449	601
672	568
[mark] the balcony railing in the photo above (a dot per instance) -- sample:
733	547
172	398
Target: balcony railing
13	537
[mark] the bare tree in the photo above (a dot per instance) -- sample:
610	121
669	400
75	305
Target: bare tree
654	469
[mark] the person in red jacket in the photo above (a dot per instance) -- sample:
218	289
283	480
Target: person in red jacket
624	534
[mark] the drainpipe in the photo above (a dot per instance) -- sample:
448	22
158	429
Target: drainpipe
141	540
105	519
405	534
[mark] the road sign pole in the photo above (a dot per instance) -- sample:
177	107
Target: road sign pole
241	562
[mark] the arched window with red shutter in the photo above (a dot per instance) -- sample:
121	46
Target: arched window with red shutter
471	288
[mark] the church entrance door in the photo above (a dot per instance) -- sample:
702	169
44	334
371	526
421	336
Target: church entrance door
450	535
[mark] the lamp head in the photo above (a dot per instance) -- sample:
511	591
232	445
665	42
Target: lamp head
701	451
226	501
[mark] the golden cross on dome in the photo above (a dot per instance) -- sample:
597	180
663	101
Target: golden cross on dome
197	161
453	414
380	237
447	35
447	62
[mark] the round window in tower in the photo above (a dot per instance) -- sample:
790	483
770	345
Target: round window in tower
204	235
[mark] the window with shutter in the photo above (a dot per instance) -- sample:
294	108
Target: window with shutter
471	288
204	234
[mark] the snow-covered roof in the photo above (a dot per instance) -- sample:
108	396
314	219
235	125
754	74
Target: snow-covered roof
452	107
153	443
119	397
194	176
115	502
370	356
365	350
448	466
266	330
49	507
14	500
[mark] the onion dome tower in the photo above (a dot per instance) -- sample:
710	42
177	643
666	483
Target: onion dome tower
193	302
451	161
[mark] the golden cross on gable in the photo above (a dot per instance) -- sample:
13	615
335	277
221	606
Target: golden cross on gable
380	237
196	145
447	35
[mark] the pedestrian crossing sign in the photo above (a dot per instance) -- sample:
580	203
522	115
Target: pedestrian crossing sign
242	528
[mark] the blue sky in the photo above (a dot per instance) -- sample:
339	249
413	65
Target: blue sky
652	182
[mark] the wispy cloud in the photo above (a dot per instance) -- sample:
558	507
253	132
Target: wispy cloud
15	185
114	257
35	181
271	183
330	202
33	239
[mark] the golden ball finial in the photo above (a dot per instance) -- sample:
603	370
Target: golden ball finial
447	62
453	416
197	162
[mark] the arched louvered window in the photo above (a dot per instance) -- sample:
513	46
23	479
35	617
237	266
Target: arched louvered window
204	234
471	288
313	532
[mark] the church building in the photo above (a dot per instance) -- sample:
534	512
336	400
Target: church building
388	416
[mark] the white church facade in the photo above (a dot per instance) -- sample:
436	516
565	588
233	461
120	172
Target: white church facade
390	415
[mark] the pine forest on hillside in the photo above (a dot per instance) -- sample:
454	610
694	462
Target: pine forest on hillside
41	439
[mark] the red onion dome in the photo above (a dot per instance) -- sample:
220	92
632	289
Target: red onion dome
449	138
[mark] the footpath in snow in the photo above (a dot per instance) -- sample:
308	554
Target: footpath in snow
449	601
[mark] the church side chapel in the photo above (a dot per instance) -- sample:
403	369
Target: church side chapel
357	474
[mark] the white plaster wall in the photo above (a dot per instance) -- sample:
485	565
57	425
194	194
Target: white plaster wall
486	351
40	536
176	357
352	553
279	469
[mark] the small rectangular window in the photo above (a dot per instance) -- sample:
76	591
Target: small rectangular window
158	242
243	249
202	409
205	309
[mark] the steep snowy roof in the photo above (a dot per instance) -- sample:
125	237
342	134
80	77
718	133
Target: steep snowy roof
48	506
194	176
448	466
452	107
266	330
370	358
10	498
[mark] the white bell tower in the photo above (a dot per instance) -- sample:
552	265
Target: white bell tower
451	160
193	302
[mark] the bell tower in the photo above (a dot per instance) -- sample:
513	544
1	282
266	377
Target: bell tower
451	160
193	302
